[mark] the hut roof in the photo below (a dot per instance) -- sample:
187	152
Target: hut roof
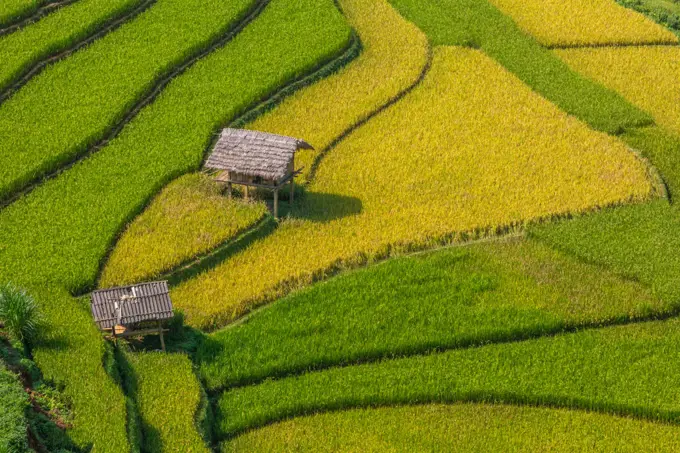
128	305
254	153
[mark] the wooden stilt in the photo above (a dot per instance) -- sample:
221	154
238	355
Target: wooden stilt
160	332
276	203
229	190
247	192
292	190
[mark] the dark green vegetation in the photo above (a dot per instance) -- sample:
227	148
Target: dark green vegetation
32	413
55	238
21	50
453	298
459	428
628	370
13	406
480	24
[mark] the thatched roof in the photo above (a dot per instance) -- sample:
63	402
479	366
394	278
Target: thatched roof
129	305
254	153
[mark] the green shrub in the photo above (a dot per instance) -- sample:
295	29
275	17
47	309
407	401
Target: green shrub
19	313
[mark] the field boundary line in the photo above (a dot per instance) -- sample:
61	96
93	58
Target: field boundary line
108	27
26	20
611	45
145	99
662	417
369	116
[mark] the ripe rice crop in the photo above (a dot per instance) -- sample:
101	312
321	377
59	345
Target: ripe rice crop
628	370
471	148
394	54
101	83
53	239
189	217
459	428
459	297
646	76
479	24
20	50
168	396
584	22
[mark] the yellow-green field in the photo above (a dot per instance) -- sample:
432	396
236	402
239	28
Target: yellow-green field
583	22
189	217
471	148
459	428
647	76
394	54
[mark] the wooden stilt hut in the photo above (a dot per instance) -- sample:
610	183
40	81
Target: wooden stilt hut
119	311
256	159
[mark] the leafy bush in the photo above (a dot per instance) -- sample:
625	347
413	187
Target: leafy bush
494	154
631	370
459	428
21	50
19	313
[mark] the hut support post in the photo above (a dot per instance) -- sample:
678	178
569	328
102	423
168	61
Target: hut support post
292	190
229	190
247	192
160	332
276	203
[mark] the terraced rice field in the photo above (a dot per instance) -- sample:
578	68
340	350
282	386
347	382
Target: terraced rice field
494	182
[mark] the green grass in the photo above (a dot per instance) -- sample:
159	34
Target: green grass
168	397
638	242
102	82
13	10
55	238
459	428
13	406
629	370
21	50
452	298
480	24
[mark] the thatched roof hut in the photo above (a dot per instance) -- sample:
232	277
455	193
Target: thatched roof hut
256	159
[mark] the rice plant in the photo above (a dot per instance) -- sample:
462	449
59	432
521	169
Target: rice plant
459	428
493	153
21	50
584	22
628	370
